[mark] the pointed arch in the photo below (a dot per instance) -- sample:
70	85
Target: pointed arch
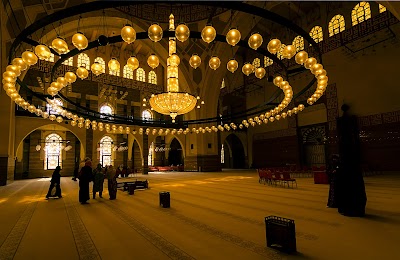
152	77
336	25
140	75
317	34
84	61
360	13
106	150
298	42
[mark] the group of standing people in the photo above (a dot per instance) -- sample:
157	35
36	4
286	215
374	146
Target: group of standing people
86	174
97	175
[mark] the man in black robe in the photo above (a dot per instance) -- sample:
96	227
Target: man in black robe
350	189
85	176
55	181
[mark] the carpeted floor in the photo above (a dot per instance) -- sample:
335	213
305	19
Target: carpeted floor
212	216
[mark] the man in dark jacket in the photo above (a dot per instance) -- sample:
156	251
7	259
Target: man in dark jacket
55	181
85	176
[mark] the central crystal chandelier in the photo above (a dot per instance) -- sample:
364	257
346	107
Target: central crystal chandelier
173	102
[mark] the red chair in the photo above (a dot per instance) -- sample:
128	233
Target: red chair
286	179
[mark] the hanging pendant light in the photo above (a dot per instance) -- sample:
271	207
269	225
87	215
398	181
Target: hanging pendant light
96	68
233	36
195	61
208	34
59	45
214	62
29	58
155	32
182	32
113	65
255	41
133	63
260	72
247	69
82	72
232	65
128	34
42	51
153	61
70	77
80	41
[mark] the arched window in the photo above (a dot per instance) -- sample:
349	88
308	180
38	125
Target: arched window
51	58
69	61
114	72
51	110
360	13
152	77
336	25
140	75
256	63
298	42
279	53
150	156
106	144
316	34
102	63
84	61
127	72
267	61
106	109
52	152
147	115
222	154
382	8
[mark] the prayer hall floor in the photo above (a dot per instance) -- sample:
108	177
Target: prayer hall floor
212	216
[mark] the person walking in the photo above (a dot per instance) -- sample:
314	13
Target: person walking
98	181
112	182
55	181
85	176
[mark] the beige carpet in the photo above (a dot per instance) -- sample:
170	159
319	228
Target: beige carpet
212	216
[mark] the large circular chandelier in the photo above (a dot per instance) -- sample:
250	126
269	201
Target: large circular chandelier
173	102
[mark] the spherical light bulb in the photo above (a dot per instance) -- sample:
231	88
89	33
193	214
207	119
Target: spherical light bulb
232	65
96	68
82	72
55	85
173	60
153	61
308	63
301	57
70	77
20	63
14	71
128	34
214	62
182	32
29	58
314	68
274	46
277	81
288	52
113	65
80	41
59	119
155	32
208	34
133	63
59	45
195	61
260	72
255	41
62	81
42	51
247	69
233	36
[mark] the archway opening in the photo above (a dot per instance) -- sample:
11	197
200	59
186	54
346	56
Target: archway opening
234	153
136	157
175	153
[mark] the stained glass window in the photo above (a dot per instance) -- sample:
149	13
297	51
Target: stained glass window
152	77
150	156
256	63
316	34
279	53
360	13
127	72
336	25
84	61
102	63
52	151
382	8
106	144
146	114
69	61
298	42
267	61
140	75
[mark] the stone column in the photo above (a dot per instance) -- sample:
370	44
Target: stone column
145	154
